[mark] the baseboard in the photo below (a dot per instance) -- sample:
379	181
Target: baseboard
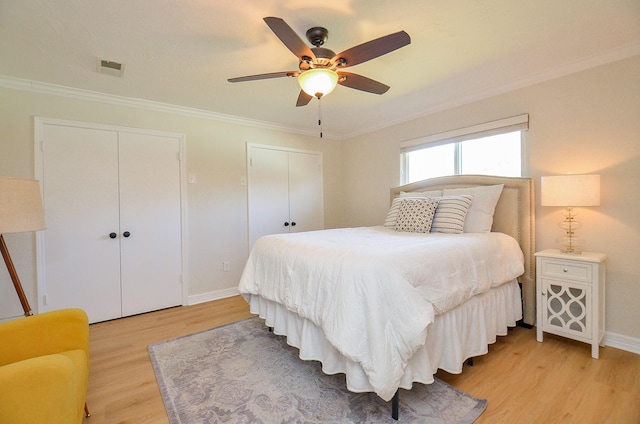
214	295
630	344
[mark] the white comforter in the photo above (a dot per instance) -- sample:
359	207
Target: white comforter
374	291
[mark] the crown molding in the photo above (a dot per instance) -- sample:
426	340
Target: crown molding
614	55
94	96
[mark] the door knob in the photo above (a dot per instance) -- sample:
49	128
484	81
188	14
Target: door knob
293	224
126	234
113	235
286	224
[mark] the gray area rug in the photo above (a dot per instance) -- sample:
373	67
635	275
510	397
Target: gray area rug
242	373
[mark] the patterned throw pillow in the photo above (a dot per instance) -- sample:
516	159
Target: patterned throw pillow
450	214
416	215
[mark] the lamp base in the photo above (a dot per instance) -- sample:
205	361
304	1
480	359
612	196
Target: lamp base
570	245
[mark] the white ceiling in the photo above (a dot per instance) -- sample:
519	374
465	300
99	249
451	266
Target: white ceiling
181	52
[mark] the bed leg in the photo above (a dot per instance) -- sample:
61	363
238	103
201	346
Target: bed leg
470	362
395	402
270	329
523	324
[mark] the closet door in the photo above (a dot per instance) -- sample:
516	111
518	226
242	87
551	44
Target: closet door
285	191
150	227
80	186
268	192
306	205
113	213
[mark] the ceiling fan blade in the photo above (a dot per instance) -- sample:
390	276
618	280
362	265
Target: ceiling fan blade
372	49
265	76
359	82
289	37
303	99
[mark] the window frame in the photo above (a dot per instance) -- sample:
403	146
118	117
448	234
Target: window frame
501	126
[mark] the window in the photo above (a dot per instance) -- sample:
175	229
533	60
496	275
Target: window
493	148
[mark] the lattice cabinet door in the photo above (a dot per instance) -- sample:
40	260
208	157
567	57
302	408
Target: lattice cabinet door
567	308
570	296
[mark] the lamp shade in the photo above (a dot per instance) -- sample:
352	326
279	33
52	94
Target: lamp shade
570	190
318	82
20	206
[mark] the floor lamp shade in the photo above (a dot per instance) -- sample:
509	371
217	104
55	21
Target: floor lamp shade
20	211
20	206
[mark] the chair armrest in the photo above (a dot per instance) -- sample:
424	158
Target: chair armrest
44	334
40	390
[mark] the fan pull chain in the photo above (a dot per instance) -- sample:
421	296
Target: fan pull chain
320	114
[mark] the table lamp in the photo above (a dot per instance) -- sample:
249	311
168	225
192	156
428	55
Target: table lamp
20	211
570	191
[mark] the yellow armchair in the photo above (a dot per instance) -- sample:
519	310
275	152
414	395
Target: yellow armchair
44	368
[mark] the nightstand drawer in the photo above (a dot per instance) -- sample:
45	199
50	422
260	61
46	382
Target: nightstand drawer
566	270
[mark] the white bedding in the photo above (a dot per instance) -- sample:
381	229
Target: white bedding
373	291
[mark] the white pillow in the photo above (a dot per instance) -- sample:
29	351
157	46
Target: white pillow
431	193
480	216
450	214
416	214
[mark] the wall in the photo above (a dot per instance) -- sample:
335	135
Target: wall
216	204
581	123
585	122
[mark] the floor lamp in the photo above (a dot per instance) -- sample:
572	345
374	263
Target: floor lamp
20	211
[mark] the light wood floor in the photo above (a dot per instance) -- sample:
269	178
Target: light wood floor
524	381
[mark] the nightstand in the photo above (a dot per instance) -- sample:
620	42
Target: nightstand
570	296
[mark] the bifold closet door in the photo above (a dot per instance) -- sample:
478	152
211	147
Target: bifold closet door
306	191
113	243
81	205
150	226
285	191
268	193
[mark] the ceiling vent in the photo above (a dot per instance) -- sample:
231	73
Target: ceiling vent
108	67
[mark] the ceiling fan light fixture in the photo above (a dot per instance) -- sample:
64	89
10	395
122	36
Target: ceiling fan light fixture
318	82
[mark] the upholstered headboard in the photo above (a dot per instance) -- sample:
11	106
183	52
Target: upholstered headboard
514	215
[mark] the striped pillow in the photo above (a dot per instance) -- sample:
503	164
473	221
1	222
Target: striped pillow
451	214
392	215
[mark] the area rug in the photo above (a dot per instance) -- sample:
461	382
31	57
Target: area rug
242	373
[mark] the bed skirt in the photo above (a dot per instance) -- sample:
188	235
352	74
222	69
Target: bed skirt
453	337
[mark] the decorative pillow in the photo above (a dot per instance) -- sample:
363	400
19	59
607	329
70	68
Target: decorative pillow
416	214
450	214
480	216
392	215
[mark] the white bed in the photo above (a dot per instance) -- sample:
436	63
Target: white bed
401	334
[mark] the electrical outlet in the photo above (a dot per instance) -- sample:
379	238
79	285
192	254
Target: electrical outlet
226	266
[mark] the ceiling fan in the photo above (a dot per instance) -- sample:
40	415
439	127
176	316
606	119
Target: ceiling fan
320	69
